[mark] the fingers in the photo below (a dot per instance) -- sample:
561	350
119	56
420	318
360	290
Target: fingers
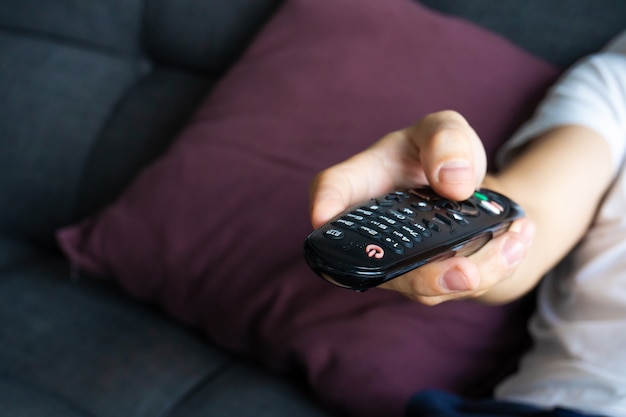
468	277
326	198
434	283
441	150
354	180
451	153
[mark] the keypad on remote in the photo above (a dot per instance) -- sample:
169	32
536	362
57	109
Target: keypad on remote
391	234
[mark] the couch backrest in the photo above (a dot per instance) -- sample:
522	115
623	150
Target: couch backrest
203	35
90	90
559	31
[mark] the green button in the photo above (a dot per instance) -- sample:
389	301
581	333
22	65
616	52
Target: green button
481	196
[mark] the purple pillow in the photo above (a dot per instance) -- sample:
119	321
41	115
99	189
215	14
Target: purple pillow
213	231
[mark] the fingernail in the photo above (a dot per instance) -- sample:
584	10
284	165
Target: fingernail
455	171
513	251
454	280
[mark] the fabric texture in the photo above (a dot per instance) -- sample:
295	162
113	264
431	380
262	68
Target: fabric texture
580	327
95	90
213	230
559	31
20	400
79	347
442	404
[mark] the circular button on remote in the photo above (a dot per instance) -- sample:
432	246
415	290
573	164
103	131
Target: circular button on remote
458	218
422	206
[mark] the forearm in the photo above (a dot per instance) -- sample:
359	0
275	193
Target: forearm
559	180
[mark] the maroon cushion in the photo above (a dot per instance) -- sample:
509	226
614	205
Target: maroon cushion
213	231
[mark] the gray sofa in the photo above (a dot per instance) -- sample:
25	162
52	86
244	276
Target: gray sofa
91	91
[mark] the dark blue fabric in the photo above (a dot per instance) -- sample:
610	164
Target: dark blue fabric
55	100
559	31
204	36
92	91
435	403
19	399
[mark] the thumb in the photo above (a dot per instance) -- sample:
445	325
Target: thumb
326	199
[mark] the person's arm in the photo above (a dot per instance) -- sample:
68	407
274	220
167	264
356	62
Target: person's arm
441	150
579	134
559	180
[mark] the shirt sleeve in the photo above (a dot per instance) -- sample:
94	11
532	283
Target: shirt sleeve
591	94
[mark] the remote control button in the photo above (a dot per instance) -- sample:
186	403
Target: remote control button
443	219
422	206
407	211
374	251
368	231
397	215
402	238
334	234
394	245
363	211
480	196
431	225
355	217
388	220
492	208
458	218
381	226
469	209
414	234
393	197
349	224
423	230
446	204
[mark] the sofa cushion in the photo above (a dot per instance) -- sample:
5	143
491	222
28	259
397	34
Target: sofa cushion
74	347
55	100
243	390
83	344
92	91
79	125
20	399
559	31
113	26
204	36
213	230
195	35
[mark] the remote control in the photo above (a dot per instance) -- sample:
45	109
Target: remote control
390	235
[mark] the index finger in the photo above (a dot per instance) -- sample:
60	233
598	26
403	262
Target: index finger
441	150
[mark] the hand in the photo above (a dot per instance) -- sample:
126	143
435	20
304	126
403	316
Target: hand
441	150
468	277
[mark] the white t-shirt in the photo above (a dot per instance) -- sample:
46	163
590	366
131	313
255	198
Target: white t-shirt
579	356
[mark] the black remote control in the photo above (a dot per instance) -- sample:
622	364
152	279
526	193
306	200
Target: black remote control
388	236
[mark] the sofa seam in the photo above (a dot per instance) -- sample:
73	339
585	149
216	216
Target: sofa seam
70	42
198	386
